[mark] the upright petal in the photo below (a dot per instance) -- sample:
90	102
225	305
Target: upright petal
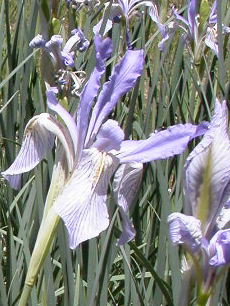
109	137
213	15
160	145
185	230
82	204
122	80
103	49
191	16
217	140
125	186
38	139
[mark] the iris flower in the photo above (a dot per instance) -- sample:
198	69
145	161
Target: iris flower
95	147
114	12
61	59
206	181
196	29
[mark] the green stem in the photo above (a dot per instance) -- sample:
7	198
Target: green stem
44	240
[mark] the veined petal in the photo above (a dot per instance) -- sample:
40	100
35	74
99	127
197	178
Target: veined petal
53	104
82	204
211	41
125	186
109	137
38	139
185	230
224	216
122	80
219	248
217	140
103	49
160	145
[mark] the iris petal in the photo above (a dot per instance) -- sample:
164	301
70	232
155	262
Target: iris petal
82	204
186	230
125	186
122	80
160	145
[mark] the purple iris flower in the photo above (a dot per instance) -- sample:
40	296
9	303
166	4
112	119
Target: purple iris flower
61	58
206	183
123	8
95	148
165	29
192	31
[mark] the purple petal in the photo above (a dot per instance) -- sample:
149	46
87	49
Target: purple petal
186	230
37	42
103	49
191	16
77	40
213	15
122	80
125	186
211	42
82	204
179	17
160	145
36	142
219	248
54	47
53	104
217	140
109	137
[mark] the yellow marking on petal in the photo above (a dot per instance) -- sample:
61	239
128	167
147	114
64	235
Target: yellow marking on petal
99	168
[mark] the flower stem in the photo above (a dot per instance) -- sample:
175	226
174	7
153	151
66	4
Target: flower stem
44	240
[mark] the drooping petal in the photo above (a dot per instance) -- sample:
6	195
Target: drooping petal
53	104
122	80
103	49
217	140
125	187
38	139
82	204
109	137
160	145
54	47
185	230
211	41
219	249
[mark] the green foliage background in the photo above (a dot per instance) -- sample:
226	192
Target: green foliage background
172	90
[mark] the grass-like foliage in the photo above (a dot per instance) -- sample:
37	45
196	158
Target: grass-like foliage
186	67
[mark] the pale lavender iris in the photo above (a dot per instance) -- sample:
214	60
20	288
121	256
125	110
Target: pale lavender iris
114	12
206	183
61	58
95	147
194	33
